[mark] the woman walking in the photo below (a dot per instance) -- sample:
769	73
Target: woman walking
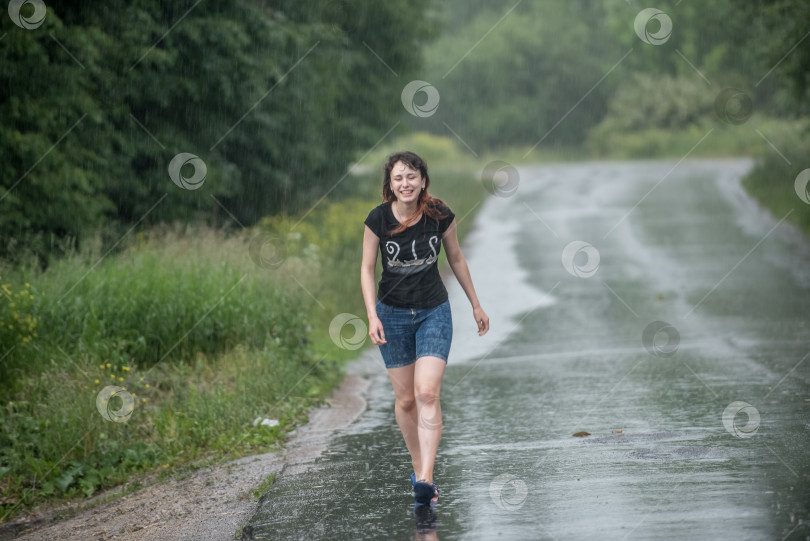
409	317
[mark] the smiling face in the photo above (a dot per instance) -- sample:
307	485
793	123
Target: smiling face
406	183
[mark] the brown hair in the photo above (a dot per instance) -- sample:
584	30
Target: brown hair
427	205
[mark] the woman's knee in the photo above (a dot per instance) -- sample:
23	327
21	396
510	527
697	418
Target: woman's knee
426	394
406	402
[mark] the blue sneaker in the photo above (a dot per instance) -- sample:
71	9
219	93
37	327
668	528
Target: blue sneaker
413	479
425	493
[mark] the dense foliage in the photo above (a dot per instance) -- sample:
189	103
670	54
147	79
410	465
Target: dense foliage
276	98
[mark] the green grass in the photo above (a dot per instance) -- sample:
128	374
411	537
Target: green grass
185	321
263	487
725	140
772	180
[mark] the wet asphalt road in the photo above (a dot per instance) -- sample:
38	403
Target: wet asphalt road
678	337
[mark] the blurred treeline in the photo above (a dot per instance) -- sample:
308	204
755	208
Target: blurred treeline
571	72
274	96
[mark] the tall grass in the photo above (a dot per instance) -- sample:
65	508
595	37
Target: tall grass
201	338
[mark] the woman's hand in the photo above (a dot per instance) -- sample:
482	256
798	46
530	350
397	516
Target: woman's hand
375	331
481	319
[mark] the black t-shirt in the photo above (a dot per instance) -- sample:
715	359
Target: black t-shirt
410	277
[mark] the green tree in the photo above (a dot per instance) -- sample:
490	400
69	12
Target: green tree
522	75
276	98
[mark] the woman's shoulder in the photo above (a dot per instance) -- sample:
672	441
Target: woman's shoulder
378	219
380	209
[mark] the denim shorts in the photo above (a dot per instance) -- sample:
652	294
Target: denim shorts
412	333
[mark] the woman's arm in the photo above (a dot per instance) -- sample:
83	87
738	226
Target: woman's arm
371	243
459	265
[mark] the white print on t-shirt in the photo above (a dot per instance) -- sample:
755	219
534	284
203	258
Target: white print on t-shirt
412	265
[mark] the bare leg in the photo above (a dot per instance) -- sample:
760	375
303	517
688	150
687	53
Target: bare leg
427	383
405	411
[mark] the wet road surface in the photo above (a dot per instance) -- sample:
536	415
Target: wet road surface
650	304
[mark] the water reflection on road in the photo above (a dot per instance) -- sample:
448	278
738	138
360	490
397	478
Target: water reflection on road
677	340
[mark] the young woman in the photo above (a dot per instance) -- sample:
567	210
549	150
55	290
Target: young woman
409	317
